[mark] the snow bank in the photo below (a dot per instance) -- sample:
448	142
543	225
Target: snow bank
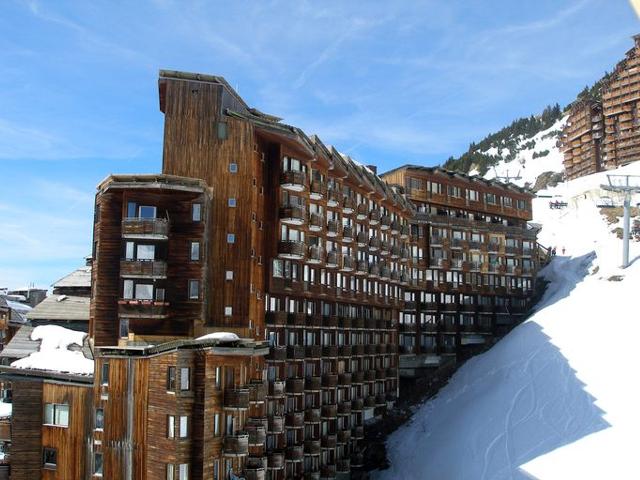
53	353
221	336
5	409
557	397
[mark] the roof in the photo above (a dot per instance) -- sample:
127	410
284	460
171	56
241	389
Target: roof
50	348
61	307
462	176
78	278
159	181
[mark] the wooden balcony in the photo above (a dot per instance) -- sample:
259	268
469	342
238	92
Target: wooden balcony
344	351
392	372
328	440
255	473
381	374
369	375
275	460
330	351
290	249
257	391
294	453
277	353
276	424
236	445
357	432
292	214
316	222
297	319
276	318
357	377
385	248
344	379
343	465
316	255
313	351
344	408
334	227
312	415
357	322
294	420
329	380
381	348
257	435
374	217
236	398
312	447
385	222
295	386
312	383
357	350
357	404
143	269
318	190
293	180
374	270
357	460
348	263
143	309
333	260
362	211
370	349
330	321
296	352
146	228
405	232
348	205
362	268
381	400
370	402
395	251
328	471
348	234
374	244
334	197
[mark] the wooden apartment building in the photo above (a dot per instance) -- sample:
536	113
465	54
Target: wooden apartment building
325	271
602	135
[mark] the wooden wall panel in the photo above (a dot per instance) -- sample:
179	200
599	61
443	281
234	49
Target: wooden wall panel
26	435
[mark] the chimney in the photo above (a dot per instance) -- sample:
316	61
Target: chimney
373	168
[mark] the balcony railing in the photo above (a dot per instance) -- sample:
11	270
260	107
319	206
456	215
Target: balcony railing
312	384
347	233
276	424
153	228
291	249
318	190
293	180
329	411
236	445
294	420
276	388
312	447
329	380
236	398
312	415
385	222
362	211
142	309
143	269
316	222
316	254
333	228
348	205
295	386
292	214
275	460
313	351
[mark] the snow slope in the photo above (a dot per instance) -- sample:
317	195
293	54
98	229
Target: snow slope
557	398
524	165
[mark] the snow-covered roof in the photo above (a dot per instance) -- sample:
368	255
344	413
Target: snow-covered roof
78	278
221	336
59	350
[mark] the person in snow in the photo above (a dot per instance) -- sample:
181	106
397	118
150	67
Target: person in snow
553	252
563	250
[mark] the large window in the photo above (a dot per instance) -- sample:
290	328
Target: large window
183	471
56	414
144	291
195	251
196	212
97	464
183	430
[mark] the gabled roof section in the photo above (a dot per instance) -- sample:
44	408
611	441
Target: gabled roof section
80	278
61	308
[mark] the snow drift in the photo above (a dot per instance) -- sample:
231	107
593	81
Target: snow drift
557	398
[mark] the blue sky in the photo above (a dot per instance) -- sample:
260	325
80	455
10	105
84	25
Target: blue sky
387	82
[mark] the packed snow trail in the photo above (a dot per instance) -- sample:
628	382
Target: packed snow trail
557	398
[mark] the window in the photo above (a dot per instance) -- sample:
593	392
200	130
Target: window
124	328
233	168
185	378
218	378
216	424
171	426
228	275
129	251
171	379
127	289
221	129
195	251
50	457
104	373
144	291
216	469
472	195
183	471
146	252
56	414
97	464
146	211
171	471
231	202
99	418
491	198
196	212
228	311
231	238
183	430
194	289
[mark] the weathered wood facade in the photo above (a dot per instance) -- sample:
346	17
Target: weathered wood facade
602	135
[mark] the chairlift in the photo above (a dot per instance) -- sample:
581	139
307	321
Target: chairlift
606	202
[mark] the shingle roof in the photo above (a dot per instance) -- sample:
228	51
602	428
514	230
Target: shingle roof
61	307
22	346
78	278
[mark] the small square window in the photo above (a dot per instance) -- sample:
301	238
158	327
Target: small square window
231	202
99	418
196	212
228	311
231	238
104	374
228	275
233	167
50	458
